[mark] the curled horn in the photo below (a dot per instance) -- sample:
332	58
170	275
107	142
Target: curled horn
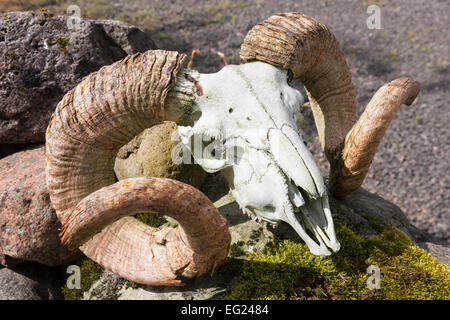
311	53
90	124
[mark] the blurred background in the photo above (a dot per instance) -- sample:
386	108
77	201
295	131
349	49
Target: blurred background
412	166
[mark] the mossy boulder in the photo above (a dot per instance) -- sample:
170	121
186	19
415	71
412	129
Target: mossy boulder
150	155
272	262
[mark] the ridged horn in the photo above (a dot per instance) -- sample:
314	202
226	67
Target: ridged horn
312	54
90	124
362	141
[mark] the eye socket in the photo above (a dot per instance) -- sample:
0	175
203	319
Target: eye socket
230	110
269	208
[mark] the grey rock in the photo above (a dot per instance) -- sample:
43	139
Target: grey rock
30	281
111	286
42	56
440	252
107	287
361	208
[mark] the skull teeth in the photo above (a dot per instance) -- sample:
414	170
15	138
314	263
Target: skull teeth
251	215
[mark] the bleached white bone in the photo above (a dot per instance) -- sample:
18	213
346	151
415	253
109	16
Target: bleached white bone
252	108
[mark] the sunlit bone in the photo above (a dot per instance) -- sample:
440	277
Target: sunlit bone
253	112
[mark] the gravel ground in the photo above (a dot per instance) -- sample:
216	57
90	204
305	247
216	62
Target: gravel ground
410	168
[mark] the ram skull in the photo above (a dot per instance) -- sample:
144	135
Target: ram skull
252	136
251	109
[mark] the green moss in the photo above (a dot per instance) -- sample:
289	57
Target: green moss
63	43
287	270
188	109
108	288
152	220
90	272
236	249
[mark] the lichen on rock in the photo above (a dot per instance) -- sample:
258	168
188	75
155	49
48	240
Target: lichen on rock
149	154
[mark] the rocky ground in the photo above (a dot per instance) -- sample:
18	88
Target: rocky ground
411	167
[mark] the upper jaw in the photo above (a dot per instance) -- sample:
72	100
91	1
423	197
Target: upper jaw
271	195
312	221
308	207
310	217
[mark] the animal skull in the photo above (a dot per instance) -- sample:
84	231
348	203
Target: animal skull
250	109
250	114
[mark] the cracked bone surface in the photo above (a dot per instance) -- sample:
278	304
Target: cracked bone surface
247	129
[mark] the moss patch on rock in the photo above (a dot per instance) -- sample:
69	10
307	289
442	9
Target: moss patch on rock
287	270
90	273
96	283
152	220
63	43
150	155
